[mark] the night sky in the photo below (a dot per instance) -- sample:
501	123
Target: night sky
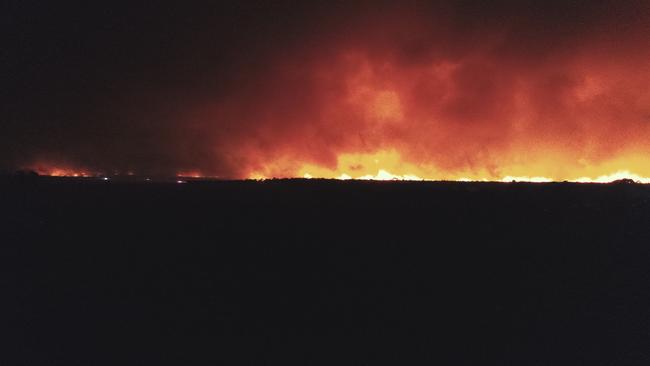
282	88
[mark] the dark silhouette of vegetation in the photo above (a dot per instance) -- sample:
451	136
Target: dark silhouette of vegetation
324	272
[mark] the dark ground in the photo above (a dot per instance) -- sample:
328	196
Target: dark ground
324	273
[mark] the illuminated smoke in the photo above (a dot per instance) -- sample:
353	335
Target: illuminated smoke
457	91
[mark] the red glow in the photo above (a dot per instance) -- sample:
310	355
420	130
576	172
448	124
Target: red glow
55	171
418	92
473	119
190	174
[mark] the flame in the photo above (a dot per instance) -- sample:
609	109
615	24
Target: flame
463	120
62	172
382	166
526	179
389	165
622	174
400	91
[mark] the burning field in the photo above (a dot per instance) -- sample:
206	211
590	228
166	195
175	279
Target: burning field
454	90
248	182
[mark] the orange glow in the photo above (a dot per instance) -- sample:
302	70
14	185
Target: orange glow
190	174
584	119
54	171
388	165
386	90
354	112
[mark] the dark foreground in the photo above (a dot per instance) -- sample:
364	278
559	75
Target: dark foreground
324	273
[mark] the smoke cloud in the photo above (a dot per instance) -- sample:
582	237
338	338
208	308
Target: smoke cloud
449	88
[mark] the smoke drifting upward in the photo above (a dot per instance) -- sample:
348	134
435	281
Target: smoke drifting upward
445	90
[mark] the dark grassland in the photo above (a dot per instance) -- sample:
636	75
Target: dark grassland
323	273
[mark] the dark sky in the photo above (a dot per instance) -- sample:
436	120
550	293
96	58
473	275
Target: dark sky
244	87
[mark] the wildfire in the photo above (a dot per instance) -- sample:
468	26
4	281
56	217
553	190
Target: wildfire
623	174
389	165
465	119
63	172
190	174
402	91
375	171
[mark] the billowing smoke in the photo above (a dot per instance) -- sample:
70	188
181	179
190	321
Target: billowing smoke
450	89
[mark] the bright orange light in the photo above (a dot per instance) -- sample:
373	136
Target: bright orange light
477	117
63	172
190	174
389	165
